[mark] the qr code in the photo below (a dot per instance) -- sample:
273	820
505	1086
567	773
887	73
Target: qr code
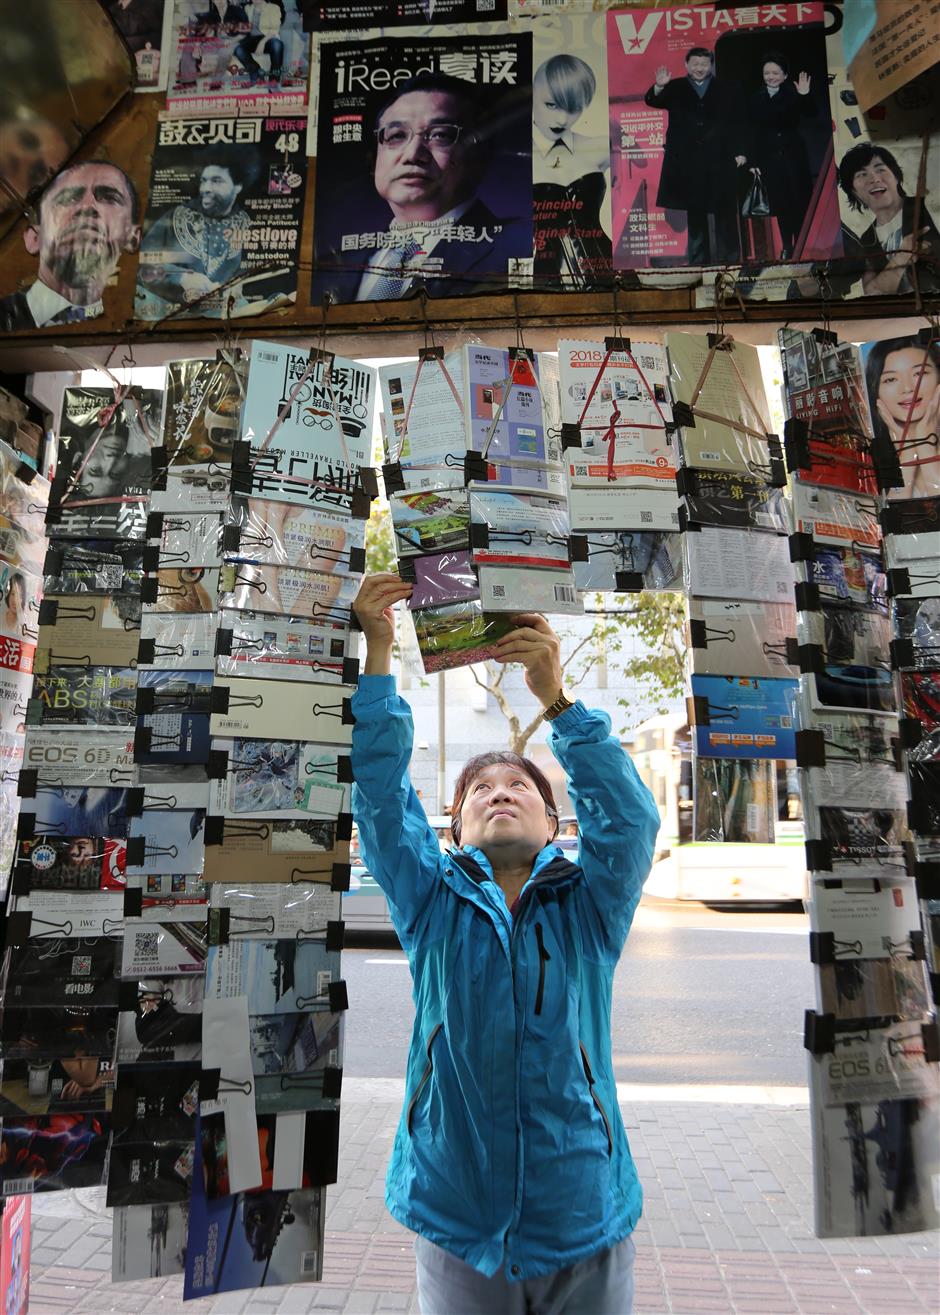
646	517
499	591
485	6
146	944
81	965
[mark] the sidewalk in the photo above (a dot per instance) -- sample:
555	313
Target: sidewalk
726	1230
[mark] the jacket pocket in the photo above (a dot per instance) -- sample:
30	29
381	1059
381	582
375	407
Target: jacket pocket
425	1077
544	958
596	1099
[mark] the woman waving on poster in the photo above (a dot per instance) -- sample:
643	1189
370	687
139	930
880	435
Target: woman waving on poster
777	150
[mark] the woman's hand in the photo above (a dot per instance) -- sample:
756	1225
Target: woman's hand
740	160
535	645
373	606
802	84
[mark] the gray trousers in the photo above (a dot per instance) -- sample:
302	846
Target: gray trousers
600	1285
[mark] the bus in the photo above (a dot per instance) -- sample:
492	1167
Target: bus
714	872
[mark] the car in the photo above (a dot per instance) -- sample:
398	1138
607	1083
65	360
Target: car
365	907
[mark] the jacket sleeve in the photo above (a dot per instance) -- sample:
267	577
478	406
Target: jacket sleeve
398	846
617	818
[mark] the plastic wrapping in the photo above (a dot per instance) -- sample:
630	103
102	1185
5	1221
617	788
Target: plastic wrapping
194	540
920	697
851	659
430	522
19	609
182	589
172	843
849	759
833	517
83	1166
166	1022
187	490
277	976
738	564
282	648
24	503
849	575
725	390
457	635
309	414
728	498
920	551
505	421
104	473
740	717
653	560
829	431
70	863
917	578
287	591
290	1054
202	409
917	623
865	841
446	577
734	800
185	642
282	534
276	709
301	850
72	696
77	810
284	910
280	778
923	774
88	630
516	589
622	509
518	529
740	638
93	567
175	727
423	404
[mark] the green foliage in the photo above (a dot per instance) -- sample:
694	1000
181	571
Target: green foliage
657	620
380	541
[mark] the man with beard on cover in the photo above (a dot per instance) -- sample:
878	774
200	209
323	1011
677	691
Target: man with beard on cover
196	246
86	219
705	147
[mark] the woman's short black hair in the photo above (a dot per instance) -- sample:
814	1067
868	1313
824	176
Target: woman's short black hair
774	57
859	157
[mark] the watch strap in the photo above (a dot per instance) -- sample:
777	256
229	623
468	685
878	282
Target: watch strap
557	707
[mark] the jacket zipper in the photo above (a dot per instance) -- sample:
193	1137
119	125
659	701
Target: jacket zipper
544	958
594	1096
425	1077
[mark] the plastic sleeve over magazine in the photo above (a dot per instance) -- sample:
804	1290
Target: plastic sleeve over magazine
617	818
399	847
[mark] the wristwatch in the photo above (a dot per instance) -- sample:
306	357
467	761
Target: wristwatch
555	709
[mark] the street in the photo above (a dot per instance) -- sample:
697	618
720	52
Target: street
700	997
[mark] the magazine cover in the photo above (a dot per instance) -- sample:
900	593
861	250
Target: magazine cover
222	227
164	1022
287	591
203	406
64	971
15	1254
518	529
505	420
278	778
829	431
740	638
457	635
629	403
571	199
423	412
902	376
70	863
349	15
423	165
831	516
312	416
252	910
849	577
734	800
250	57
147	29
52	1152
283	534
740	717
430	522
616	559
705	103
744	565
148	1241
103	474
284	648
290	1055
92	566
725	390
251	1239
874	1165
169	841
278	977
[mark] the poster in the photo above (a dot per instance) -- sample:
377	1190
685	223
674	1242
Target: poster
221	232
14	1255
683	155
446	209
885	47
349	15
146	26
902	376
250	57
571	195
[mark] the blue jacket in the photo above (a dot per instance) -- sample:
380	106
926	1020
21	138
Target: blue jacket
510	1151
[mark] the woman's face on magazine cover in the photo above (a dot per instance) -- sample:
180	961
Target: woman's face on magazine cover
774	75
104	471
908	383
549	117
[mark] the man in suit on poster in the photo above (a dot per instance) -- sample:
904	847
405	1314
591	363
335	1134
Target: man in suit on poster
431	156
703	151
86	219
